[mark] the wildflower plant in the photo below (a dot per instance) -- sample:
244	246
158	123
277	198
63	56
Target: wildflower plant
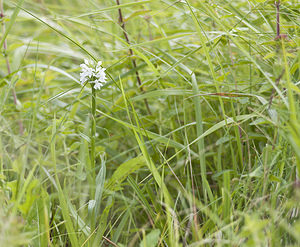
93	73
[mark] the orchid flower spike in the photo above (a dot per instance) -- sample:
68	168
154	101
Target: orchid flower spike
93	73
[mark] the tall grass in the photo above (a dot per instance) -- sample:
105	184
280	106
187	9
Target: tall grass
194	140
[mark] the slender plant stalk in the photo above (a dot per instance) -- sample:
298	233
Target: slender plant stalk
21	128
92	160
277	4
93	135
237	129
278	34
201	145
195	218
138	78
109	241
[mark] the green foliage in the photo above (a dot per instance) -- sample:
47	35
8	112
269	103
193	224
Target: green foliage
151	239
206	152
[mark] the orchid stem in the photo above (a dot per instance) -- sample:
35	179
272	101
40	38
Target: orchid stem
93	136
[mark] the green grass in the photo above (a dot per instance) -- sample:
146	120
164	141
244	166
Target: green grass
215	159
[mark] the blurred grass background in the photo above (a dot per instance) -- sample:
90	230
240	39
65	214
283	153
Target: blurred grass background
212	162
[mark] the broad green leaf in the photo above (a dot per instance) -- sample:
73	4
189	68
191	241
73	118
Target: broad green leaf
151	239
122	172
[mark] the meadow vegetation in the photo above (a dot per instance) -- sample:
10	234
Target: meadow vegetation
193	141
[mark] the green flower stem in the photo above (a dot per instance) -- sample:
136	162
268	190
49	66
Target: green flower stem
93	135
92	158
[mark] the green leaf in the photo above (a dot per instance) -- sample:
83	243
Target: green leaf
100	179
151	239
123	171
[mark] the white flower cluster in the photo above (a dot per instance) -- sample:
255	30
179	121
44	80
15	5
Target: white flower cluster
93	73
